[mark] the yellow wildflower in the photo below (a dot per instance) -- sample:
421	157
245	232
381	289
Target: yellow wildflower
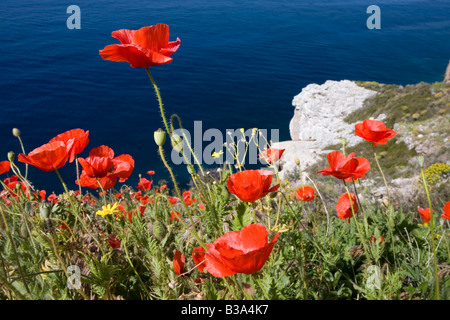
108	209
217	154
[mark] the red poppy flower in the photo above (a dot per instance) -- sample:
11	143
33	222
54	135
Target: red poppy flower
346	168
250	185
41	194
198	255
362	168
201	206
143	48
175	216
305	193
13	186
50	156
187	198
80	141
11	179
374	131
144	184
151	172
272	155
102	165
446	214
5	166
245	251
425	214
344	208
113	241
178	262
172	200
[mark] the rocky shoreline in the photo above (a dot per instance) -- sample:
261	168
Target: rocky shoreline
326	113
318	121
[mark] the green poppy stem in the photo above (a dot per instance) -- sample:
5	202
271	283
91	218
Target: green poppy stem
177	189
355	218
432	225
389	214
161	107
75	211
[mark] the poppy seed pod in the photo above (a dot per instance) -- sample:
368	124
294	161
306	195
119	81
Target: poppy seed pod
11	156
16	132
160	137
45	207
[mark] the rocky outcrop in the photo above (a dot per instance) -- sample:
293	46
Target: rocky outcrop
320	111
318	121
447	74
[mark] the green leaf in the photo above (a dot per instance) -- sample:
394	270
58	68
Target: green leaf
243	216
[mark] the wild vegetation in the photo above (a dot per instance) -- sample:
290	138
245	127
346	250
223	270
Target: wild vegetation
236	234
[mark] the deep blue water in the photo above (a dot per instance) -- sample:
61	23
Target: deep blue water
239	65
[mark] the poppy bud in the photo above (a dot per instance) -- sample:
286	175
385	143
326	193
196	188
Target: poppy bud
160	137
16	132
159	230
297	161
45	208
11	156
177	143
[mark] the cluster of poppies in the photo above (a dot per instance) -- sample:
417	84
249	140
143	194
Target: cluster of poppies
348	168
100	170
243	251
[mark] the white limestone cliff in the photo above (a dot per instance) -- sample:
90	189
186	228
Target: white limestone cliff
318	121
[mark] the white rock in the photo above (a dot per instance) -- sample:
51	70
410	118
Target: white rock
319	122
320	111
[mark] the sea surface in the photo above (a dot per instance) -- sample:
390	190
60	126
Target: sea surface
239	65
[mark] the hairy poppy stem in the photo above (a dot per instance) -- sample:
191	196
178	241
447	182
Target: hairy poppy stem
78	173
389	214
382	174
432	223
279	197
77	217
161	107
355	218
23	150
103	191
177	189
188	144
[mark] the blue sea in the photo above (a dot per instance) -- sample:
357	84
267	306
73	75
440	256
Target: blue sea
240	64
